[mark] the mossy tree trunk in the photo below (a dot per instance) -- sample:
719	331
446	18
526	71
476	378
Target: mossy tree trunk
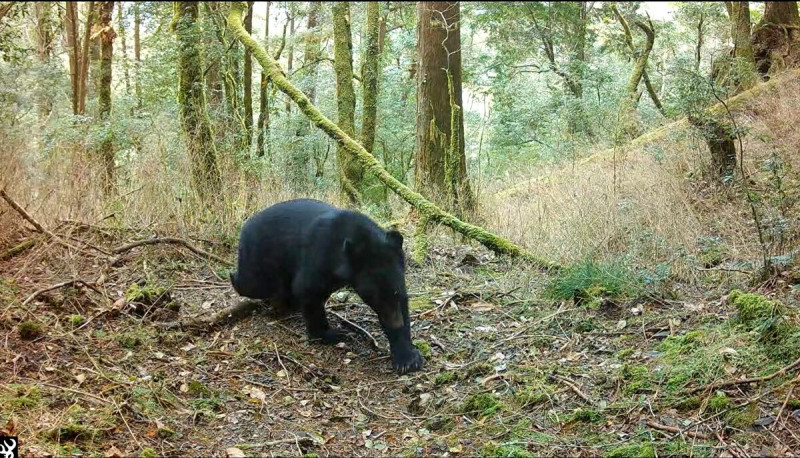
74	52
629	122
263	100
312	50
137	54
420	203
441	172
106	37
248	82
370	75
720	139
350	170
290	53
126	73
44	45
737	70
213	79
191	98
426	208
776	38
644	76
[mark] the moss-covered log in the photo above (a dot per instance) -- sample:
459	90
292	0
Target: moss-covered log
425	207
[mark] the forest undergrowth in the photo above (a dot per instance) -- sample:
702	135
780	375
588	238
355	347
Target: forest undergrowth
663	337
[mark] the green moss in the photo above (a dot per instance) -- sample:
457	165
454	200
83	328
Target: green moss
636	377
678	345
624	354
685	404
129	340
492	450
793	404
149	295
533	395
424	348
479	369
719	401
481	405
443	378
586	416
76	320
148	452
632	451
72	432
742	418
416	304
166	433
20	397
439	423
774	323
29	330
198	388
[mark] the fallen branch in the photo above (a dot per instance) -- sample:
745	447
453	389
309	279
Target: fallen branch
672	429
357	328
173	241
371	165
15	250
53	287
33	222
227	315
765	378
572	386
785	403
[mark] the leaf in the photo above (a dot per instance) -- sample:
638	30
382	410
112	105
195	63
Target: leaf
80	378
233	452
281	373
482	306
188	347
113	452
10	429
255	393
621	325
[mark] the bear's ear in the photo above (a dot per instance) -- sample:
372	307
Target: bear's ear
395	238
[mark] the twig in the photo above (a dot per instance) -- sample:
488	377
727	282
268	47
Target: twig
206	323
104	401
785	402
572	386
174	241
278	355
765	378
358	328
51	288
277	442
530	325
672	429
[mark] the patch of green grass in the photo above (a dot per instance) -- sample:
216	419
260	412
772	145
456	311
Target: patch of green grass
424	348
21	397
712	251
443	378
632	451
150	295
775	324
148	452
624	354
720	401
417	304
586	416
636	377
132	339
533	395
198	388
589	282
742	418
686	404
479	369
481	405
29	330
492	450
76	320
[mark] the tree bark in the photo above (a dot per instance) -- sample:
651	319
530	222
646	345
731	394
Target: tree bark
370	75
263	104
629	41
776	38
312	50
441	172
137	53
350	170
629	122
84	64
699	46
721	144
290	56
427	209
106	38
248	81
44	42
739	13
74	50
194	117
122	42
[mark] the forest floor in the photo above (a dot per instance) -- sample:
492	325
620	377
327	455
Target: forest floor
90	370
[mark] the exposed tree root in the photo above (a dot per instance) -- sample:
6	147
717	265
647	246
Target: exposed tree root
225	316
174	241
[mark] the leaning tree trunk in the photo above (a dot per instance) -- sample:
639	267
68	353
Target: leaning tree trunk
628	116
441	164
194	118
350	171
106	38
427	209
777	38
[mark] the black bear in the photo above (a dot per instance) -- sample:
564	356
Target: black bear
300	251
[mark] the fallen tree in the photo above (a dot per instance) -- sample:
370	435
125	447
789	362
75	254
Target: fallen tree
426	208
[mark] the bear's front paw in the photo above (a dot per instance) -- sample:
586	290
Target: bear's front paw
408	360
330	336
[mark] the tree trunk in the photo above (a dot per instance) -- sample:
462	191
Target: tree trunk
776	38
84	64
106	38
194	118
720	140
95	55
74	50
427	209
351	172
440	164
44	42
370	75
629	119
290	57
137	53
312	50
125	67
248	81
699	46
263	105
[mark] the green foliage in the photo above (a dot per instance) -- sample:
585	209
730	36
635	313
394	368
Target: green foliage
481	405
29	330
443	378
774	324
586	416
632	451
424	348
492	450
